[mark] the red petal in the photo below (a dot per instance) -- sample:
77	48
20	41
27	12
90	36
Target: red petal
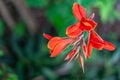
79	11
53	42
109	46
95	37
89	24
81	62
60	47
97	45
47	36
96	40
89	47
74	30
70	55
89	50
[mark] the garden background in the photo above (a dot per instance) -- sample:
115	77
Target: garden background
23	50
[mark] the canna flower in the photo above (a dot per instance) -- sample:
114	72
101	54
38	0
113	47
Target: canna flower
75	38
83	24
95	41
57	44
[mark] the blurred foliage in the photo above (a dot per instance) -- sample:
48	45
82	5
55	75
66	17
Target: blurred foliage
1	53
60	14
2	27
106	8
20	29
6	73
37	3
24	56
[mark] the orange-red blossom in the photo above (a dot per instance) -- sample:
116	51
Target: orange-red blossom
75	38
84	24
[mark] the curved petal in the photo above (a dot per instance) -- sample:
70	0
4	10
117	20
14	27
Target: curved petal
79	11
96	40
109	46
47	36
89	24
60	47
95	37
53	42
97	45
89	50
74	30
89	47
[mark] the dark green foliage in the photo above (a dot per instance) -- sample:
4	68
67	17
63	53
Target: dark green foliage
37	3
25	56
2	28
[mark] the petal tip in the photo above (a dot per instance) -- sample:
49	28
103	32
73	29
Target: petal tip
78	11
109	46
52	56
47	36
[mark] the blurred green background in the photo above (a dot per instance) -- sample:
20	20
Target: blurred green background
23	50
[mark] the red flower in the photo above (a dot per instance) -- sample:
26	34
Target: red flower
57	44
83	24
95	41
76	38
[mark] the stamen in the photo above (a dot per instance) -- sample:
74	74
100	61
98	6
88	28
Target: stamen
92	16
